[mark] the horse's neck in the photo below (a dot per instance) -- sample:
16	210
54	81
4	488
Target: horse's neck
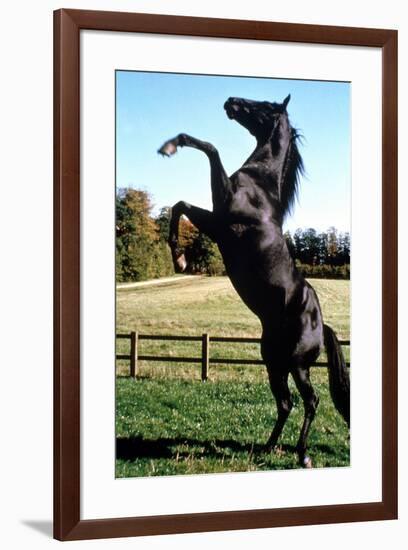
266	164
262	153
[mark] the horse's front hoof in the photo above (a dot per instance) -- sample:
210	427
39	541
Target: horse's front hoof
168	149
180	264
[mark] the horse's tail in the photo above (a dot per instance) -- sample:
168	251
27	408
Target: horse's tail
339	381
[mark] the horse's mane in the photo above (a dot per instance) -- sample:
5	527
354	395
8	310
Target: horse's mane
293	169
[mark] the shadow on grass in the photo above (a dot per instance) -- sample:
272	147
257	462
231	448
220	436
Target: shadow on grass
138	447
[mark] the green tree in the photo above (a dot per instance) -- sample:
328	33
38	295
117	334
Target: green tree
163	223
310	246
332	246
290	244
298	244
322	248
203	256
344	248
139	253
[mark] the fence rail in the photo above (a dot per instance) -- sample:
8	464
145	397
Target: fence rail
134	356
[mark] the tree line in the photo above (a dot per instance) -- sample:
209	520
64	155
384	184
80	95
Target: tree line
142	251
325	254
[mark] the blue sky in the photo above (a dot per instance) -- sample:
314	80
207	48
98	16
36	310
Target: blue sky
153	107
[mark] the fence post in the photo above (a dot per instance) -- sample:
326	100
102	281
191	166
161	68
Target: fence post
133	353
205	356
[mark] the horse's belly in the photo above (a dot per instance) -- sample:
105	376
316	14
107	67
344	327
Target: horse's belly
306	322
261	297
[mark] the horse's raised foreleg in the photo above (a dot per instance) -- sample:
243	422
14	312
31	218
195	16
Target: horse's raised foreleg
203	221
220	183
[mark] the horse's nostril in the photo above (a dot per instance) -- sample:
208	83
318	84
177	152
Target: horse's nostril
230	107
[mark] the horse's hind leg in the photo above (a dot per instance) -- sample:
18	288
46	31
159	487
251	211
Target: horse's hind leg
279	385
310	400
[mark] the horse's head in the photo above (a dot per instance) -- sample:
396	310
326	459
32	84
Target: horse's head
270	125
258	117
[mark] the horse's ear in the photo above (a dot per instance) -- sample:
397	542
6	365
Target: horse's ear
286	101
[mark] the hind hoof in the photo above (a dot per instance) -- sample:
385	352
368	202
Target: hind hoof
307	462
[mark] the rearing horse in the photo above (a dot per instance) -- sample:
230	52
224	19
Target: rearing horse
246	223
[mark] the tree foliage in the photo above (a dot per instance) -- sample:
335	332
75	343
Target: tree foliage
140	252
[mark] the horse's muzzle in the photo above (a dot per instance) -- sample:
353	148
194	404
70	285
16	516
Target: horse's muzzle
231	107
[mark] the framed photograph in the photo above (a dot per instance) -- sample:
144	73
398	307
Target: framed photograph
225	274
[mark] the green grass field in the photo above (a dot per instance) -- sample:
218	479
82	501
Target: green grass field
168	422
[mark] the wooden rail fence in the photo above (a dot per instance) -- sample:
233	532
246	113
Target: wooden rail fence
205	360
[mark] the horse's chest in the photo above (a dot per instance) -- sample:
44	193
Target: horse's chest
248	201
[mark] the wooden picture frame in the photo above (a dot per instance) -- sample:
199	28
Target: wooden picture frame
67	482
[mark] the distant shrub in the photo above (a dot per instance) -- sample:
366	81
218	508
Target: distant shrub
324	271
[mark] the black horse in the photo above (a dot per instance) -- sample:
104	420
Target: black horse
246	223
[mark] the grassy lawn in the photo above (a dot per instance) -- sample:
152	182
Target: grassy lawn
168	422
